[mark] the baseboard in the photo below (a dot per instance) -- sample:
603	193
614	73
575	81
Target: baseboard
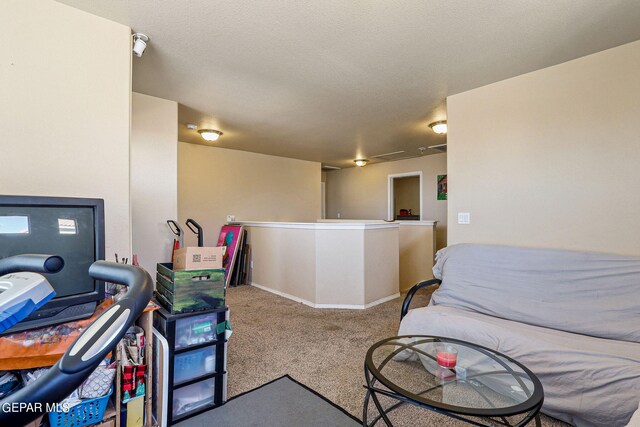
381	300
341	306
334	306
285	295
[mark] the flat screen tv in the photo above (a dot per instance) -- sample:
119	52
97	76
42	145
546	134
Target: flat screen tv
72	228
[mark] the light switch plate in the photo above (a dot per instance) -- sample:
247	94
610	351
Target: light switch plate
464	218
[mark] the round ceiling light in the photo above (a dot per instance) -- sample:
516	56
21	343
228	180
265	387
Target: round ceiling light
360	162
210	134
439	127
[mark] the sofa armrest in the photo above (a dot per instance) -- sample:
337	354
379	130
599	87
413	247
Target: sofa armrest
412	291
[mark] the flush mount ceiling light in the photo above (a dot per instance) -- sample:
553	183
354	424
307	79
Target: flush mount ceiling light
210	134
360	162
439	127
139	44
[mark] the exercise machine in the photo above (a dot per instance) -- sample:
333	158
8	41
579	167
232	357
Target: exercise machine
23	292
89	349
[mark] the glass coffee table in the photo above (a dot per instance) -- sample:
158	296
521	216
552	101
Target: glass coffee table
451	377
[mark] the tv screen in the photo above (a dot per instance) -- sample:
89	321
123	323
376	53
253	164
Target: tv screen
72	228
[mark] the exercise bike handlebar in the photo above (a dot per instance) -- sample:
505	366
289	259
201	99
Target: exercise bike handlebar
31	262
91	347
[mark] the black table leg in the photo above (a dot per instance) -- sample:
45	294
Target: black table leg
371	394
365	409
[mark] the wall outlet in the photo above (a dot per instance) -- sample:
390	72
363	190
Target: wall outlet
252	265
231	218
338	215
464	218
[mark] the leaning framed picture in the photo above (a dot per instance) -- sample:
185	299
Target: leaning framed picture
230	236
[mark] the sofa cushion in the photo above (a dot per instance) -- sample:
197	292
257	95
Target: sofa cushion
587	293
587	381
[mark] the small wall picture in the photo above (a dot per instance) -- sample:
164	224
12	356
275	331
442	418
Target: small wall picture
442	187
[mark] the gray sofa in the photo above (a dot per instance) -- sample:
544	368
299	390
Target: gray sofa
573	318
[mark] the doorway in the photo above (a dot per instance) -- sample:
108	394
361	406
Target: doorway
405	196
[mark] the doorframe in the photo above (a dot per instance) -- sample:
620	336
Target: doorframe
390	178
323	200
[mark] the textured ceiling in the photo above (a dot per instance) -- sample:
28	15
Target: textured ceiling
334	80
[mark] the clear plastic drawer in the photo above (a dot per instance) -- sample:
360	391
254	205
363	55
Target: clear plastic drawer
193	397
195	330
193	364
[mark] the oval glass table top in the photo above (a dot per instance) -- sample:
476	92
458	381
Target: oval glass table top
453	375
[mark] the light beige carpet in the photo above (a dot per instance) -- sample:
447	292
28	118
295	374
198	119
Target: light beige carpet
321	348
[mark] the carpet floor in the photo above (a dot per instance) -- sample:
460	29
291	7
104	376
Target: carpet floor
321	348
282	402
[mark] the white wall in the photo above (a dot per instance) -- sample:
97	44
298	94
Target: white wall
65	82
550	158
216	182
361	193
154	177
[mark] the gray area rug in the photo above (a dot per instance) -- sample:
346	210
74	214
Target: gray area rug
283	402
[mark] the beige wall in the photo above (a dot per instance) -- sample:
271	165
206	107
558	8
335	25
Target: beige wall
284	261
340	267
361	193
154	177
216	182
334	265
381	264
65	83
550	158
417	251
417	248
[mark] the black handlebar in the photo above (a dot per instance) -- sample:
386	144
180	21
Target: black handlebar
175	228
89	349
198	230
31	262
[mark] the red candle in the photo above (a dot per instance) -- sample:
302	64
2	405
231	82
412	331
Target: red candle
447	359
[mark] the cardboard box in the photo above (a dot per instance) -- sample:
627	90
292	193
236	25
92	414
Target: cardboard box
198	258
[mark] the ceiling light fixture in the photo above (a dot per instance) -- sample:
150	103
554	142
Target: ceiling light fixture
139	44
360	162
439	127
210	134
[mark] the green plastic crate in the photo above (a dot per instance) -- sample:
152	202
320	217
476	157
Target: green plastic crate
188	291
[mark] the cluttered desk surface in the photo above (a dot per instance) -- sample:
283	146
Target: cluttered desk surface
44	346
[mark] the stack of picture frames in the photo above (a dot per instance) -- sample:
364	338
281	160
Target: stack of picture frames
238	255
